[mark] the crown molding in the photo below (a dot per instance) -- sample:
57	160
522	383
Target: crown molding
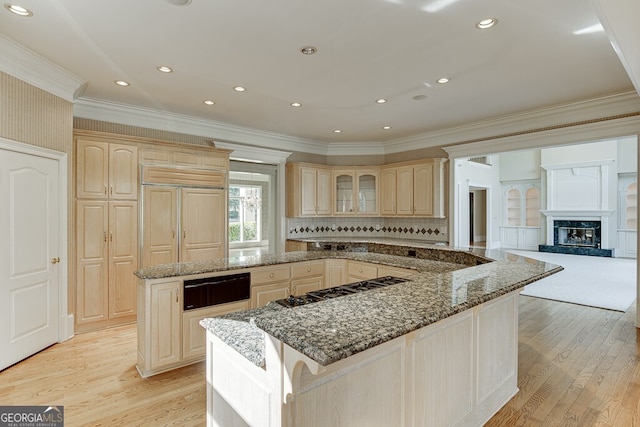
529	121
32	68
101	110
371	148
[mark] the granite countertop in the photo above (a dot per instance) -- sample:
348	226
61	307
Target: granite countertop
334	329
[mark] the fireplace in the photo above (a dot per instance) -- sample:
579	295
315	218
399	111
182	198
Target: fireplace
584	234
577	237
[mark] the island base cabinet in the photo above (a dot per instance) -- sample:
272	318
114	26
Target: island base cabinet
456	372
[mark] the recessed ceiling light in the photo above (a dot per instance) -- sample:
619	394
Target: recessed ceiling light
209	102
121	83
18	10
179	2
164	69
337	131
486	23
296	104
381	101
308	50
443	80
420	97
386	127
239	89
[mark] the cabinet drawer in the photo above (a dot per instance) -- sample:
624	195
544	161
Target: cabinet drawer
360	269
268	275
307	269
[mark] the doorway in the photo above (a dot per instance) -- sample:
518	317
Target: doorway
477	217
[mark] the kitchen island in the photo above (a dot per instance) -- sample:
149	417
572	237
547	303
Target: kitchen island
439	349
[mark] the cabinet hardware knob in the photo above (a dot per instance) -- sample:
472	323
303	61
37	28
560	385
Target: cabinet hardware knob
55	260
308	270
271	276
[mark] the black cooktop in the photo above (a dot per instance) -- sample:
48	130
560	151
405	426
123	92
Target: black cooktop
338	291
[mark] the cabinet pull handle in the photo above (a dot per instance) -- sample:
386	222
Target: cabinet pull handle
105	190
105	236
184	234
111	237
176	296
55	260
111	190
173	234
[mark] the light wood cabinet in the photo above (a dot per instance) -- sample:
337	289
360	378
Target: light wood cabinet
106	248
355	192
164	324
335	272
387	270
307	277
308	190
415	189
106	170
358	271
194	335
269	284
196	231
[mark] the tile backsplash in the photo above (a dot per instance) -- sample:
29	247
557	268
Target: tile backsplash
425	229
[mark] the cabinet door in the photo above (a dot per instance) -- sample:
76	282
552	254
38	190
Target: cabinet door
423	190
202	224
404	191
123	172
361	271
323	191
261	295
367	193
160	223
388	192
335	272
92	275
165	324
343	190
92	169
308	188
123	258
309	284
194	335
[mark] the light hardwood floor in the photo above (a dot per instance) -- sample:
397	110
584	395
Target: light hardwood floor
578	366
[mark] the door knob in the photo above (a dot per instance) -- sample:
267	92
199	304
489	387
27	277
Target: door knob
55	260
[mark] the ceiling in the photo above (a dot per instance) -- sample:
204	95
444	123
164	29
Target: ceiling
366	50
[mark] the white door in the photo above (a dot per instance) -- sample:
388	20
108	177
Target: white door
29	258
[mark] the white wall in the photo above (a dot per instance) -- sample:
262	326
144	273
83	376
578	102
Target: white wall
581	153
519	165
627	155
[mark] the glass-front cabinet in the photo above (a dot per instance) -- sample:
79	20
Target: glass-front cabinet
355	192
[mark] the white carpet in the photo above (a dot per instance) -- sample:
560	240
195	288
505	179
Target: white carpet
587	280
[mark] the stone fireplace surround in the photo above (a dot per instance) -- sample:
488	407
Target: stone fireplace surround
585	248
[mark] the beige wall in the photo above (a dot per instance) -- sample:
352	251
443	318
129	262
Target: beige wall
36	117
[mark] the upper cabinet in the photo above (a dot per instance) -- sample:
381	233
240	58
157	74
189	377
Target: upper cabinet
106	170
414	189
355	192
308	190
